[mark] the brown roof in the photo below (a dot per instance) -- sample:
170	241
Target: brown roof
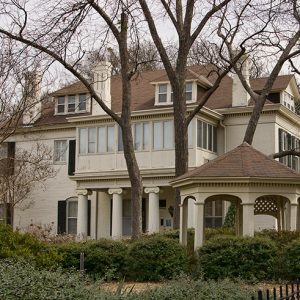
242	161
143	92
281	83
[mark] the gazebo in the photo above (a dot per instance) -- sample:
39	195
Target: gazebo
256	183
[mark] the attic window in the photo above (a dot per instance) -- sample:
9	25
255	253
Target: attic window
162	93
71	104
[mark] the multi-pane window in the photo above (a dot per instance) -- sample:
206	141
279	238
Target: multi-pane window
288	101
71	104
288	142
60	151
162	93
141	132
61	104
188	91
206	136
213	213
97	140
72	210
163	135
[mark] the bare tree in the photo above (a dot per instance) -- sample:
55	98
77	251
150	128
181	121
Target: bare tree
65	31
20	172
190	20
277	41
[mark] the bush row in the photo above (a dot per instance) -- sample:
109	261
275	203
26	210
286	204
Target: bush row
21	280
269	255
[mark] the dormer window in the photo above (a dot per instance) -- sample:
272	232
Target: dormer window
164	93
71	104
61	104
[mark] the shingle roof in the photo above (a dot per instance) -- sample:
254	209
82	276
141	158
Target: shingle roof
143	92
280	83
242	161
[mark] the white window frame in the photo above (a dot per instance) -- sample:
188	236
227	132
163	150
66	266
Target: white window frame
205	144
169	93
77	104
73	200
162	135
55	153
143	138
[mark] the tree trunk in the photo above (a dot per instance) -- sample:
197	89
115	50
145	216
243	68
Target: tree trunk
131	162
181	142
249	134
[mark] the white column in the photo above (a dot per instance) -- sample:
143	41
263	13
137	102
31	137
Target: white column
117	213
293	216
248	219
82	215
199	225
153	212
183	224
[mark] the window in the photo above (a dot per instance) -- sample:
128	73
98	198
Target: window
141	133
92	140
60	150
82	102
288	101
206	136
213	212
162	93
61	104
106	139
83	140
188	91
286	141
163	135
72	209
71	104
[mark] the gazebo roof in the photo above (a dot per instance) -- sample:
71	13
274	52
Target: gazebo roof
242	161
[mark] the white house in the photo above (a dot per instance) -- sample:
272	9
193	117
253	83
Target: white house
91	193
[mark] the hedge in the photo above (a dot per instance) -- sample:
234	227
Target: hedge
237	257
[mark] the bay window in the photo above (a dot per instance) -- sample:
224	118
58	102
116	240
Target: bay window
206	136
163	135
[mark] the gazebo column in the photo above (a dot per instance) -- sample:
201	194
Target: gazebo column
199	225
293	215
248	219
183	221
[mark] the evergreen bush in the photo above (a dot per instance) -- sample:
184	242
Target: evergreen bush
155	259
237	257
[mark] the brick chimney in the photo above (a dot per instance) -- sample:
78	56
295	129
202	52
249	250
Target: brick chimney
102	86
31	95
240	97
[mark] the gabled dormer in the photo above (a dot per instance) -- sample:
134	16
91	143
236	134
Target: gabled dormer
164	93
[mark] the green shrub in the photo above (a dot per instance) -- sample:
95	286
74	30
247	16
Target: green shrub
21	280
220	231
291	259
16	244
185	288
232	257
102	257
281	238
155	259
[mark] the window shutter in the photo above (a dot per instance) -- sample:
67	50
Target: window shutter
72	153
89	218
280	138
61	216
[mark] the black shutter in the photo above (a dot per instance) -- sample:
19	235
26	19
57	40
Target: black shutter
72	152
61	216
280	138
89	218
